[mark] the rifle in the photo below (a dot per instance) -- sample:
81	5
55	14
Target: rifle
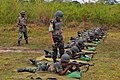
89	52
90	45
86	44
79	54
80	64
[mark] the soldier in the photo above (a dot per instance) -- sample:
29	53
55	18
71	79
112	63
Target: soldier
55	29
72	51
61	67
22	24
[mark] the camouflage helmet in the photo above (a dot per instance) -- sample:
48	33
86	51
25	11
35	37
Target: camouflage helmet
65	58
69	52
59	14
74	49
80	42
23	12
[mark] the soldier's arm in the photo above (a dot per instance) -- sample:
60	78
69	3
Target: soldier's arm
50	31
62	35
51	37
63	72
18	22
62	31
59	69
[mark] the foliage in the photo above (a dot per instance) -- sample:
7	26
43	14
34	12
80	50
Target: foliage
41	12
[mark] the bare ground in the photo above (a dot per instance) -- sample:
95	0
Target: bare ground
18	50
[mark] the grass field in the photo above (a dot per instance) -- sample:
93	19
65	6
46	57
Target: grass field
106	60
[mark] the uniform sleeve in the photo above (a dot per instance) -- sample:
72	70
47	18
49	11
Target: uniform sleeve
51	26
58	67
18	20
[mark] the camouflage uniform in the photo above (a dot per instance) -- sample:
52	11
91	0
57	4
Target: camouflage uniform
56	29
22	24
44	66
56	67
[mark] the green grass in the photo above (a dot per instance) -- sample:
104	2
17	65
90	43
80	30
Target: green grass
41	12
38	36
106	60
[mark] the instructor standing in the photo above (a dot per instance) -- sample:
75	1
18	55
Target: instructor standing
55	29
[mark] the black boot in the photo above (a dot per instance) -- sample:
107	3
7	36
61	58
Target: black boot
18	43
26	41
47	54
34	61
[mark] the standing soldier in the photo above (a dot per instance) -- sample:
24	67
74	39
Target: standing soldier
22	24
55	29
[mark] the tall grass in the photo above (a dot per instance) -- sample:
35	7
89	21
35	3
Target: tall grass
41	12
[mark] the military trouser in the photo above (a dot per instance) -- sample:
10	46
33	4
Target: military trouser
42	66
58	40
39	67
20	35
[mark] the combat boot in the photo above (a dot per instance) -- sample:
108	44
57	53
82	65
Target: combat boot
47	54
34	61
18	43
26	41
26	70
73	39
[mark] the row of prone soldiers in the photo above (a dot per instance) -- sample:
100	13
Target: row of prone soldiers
67	52
80	42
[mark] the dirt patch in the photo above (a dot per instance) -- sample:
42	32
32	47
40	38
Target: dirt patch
18	50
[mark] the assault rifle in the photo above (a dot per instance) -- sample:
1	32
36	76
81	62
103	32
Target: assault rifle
80	64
